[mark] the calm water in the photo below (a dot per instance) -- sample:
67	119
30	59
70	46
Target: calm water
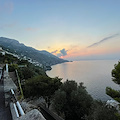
96	75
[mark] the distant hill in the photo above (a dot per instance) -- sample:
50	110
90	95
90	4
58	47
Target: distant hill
20	49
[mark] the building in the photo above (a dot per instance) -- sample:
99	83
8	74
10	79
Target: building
1	51
113	103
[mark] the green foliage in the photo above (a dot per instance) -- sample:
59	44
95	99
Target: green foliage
117	99
117	115
72	101
113	93
30	71
10	59
23	62
36	69
27	73
1	58
12	67
7	58
42	86
116	73
100	112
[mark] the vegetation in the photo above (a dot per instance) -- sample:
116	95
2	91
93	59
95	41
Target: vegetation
7	58
99	111
19	83
13	67
72	101
42	86
115	94
25	69
1	58
43	57
29	70
116	73
69	100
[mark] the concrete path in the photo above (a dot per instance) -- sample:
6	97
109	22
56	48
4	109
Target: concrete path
4	111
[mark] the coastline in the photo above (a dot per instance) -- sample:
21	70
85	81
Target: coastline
95	81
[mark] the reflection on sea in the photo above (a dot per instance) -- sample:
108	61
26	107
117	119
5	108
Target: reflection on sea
96	75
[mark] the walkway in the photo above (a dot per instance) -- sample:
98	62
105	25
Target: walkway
4	111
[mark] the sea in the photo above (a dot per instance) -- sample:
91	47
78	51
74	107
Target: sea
95	74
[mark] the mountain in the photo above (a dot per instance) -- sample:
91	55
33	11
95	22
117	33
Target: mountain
20	49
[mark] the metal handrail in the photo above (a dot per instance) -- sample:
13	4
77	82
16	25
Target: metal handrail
17	105
12	91
16	111
20	108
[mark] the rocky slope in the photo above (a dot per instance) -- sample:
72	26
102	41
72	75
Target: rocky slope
20	49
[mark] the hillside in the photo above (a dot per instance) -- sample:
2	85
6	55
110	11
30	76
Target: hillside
20	49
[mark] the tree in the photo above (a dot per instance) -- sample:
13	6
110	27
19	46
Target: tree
26	73
72	101
115	94
1	58
116	73
9	59
12	67
42	86
99	111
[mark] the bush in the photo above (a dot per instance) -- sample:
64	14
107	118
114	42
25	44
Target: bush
42	86
12	67
113	93
100	112
116	73
72	101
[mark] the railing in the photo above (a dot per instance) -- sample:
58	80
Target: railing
17	107
19	83
16	111
52	114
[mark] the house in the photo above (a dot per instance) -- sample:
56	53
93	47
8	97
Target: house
1	51
113	103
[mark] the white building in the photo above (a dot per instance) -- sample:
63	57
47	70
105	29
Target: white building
0	48
1	51
113	103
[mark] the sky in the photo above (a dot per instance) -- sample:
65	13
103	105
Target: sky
69	29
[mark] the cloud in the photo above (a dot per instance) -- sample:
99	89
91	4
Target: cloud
63	52
60	53
54	51
31	29
11	25
104	39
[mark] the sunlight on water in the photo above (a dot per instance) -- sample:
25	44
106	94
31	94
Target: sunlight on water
96	75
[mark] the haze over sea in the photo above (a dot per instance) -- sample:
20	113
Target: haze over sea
95	74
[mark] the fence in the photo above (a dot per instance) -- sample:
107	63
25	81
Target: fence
17	107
